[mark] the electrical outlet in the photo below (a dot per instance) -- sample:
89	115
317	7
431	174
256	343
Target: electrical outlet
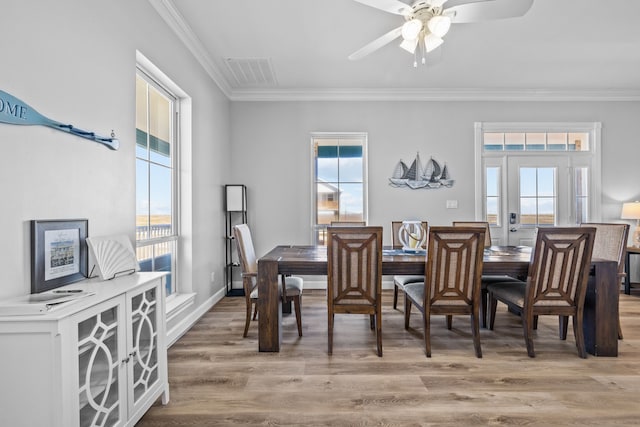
452	204
213	276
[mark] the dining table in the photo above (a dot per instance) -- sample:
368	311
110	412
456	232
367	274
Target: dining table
600	308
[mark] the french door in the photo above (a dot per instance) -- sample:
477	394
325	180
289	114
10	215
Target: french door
520	189
536	190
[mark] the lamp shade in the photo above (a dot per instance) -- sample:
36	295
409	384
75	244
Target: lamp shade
411	29
439	25
235	198
630	210
431	41
409	45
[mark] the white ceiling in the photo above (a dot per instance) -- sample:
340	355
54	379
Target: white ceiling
561	49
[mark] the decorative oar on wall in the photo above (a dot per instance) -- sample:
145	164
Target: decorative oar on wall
17	112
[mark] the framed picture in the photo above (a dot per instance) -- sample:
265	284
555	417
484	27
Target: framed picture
58	253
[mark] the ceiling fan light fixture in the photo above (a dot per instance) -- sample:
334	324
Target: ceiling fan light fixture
439	25
431	41
411	29
409	45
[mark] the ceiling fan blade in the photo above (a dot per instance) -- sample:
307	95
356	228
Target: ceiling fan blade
391	6
376	44
488	10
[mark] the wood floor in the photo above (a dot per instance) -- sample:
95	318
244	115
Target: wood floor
217	378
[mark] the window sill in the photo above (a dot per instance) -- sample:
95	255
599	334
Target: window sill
177	304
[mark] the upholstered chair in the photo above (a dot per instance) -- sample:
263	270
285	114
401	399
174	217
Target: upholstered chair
354	264
452	280
291	285
556	283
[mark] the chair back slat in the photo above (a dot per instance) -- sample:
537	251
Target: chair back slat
560	266
484	224
354	265
395	233
454	265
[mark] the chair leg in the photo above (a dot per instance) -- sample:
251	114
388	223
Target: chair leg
475	331
330	332
563	324
379	331
579	334
484	296
395	296
449	321
426	320
535	323
296	305
407	311
527	327
493	304
255	310
619	329
372	321
248	319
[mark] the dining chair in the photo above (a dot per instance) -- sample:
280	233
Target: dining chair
610	244
556	282
452	280
486	279
354	275
483	224
400	281
291	285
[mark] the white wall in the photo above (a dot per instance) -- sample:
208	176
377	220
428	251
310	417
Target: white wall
74	61
273	155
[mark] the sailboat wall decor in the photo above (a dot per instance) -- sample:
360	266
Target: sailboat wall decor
433	175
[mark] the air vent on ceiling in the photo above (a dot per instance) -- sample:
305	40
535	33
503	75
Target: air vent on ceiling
251	72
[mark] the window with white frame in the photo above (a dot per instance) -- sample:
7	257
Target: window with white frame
339	180
536	174
156	178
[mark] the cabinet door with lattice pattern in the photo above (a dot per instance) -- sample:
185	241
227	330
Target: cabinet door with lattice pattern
101	351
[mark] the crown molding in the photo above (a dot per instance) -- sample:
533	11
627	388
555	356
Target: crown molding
434	95
174	19
176	22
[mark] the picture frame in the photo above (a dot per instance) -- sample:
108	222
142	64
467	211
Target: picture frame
59	254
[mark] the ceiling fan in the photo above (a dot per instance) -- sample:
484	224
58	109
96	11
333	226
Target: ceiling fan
427	21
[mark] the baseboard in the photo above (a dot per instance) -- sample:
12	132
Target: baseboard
185	324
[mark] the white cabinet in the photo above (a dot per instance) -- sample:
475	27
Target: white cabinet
98	361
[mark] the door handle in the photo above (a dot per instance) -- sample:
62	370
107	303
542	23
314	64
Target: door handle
513	229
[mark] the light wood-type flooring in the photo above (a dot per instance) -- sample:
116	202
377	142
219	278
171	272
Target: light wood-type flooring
218	378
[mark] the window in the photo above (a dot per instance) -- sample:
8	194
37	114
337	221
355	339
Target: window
492	180
536	174
536	141
156	179
537	196
339	180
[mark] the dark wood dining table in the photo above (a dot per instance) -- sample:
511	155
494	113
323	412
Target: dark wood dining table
600	310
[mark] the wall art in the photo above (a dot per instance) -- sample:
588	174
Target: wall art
58	253
433	175
16	112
